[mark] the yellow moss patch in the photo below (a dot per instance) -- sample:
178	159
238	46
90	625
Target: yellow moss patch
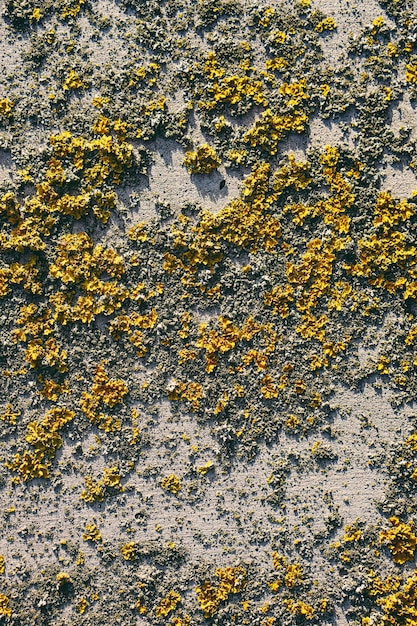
299	608
4	605
128	551
191	391
399	602
82	605
92	533
400	539
231	580
96	490
203	161
73	81
6	107
171	483
45	439
168	604
10	415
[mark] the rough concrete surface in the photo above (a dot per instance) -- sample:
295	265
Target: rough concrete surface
208	283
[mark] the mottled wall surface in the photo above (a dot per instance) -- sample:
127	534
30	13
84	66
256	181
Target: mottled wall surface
208	283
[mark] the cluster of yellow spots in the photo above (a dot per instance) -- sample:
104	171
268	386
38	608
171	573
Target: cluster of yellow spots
168	604
105	392
215	342
5	609
190	391
141	607
299	608
294	174
332	209
244	222
129	325
24	274
100	161
138	232
327	24
51	390
389	212
150	72
291	577
109	390
154	105
96	490
63	577
45	439
128	551
171	483
35	330
73	81
314	272
29	231
400	539
77	262
204	469
230	89
92	533
81	263
72	8
398	601
6	107
185	325
352	533
9	414
203	161
210	596
2	564
82	605
280	298
276	64
382	364
387	250
411	73
237	157
268	131
268	12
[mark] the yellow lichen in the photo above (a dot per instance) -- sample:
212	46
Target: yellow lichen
4	605
400	539
45	439
203	161
92	533
398	601
82	605
73	81
171	483
231	580
63	577
96	490
6	107
352	533
299	608
168	604
128	551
